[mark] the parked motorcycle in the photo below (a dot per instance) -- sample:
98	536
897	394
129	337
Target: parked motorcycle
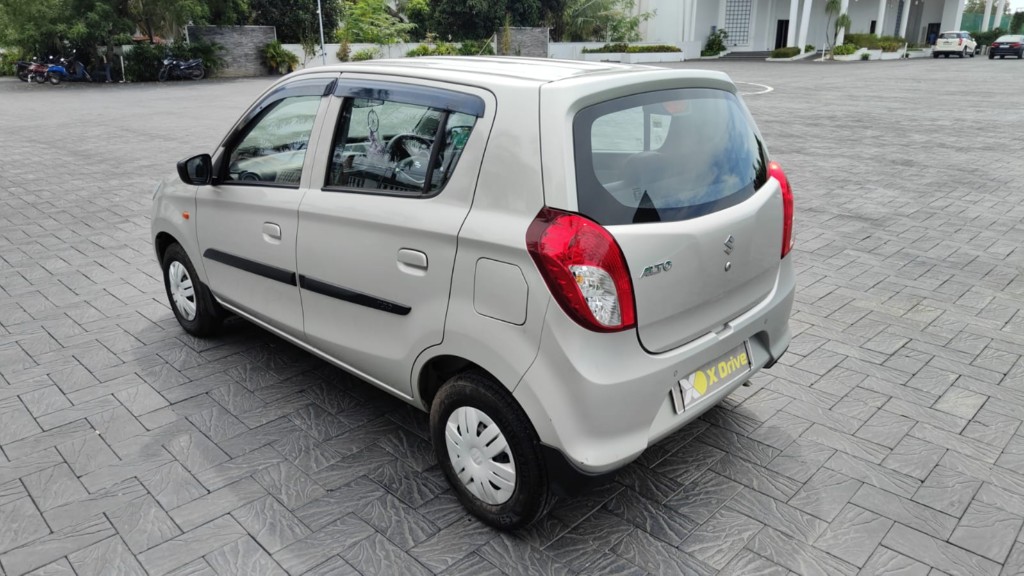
182	69
69	69
21	69
36	71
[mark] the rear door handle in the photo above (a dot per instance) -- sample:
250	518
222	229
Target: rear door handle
271	232
411	260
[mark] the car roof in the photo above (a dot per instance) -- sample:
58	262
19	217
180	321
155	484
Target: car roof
486	70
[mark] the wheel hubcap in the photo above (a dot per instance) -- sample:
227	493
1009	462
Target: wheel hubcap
182	293
480	455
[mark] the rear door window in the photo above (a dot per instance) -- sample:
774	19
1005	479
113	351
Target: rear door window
666	156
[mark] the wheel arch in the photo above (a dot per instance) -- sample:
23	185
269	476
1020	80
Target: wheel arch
162	242
438	370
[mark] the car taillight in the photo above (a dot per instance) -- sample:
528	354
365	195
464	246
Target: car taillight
961	41
775	171
584	268
1016	45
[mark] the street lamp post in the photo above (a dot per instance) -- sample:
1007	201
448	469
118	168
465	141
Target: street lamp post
320	15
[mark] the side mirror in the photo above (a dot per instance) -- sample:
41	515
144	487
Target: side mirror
197	170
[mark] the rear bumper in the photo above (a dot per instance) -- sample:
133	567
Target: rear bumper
600	400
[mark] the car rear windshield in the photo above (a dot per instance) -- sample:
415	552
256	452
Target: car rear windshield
666	156
948	35
1008	39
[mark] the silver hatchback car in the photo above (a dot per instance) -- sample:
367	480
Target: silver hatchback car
562	262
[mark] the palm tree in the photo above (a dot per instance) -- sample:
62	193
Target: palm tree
832	8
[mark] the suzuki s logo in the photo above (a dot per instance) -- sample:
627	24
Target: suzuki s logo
657	268
729	242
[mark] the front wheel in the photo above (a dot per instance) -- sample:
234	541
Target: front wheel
53	78
39	78
23	75
489	451
191	301
162	76
197	73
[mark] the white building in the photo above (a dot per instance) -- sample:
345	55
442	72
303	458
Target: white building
758	25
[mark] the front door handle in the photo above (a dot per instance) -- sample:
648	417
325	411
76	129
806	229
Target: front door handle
271	232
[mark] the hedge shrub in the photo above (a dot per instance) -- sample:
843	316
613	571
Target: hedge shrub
787	52
844	50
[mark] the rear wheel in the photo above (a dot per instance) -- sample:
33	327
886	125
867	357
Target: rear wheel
489	451
23	75
935	54
1020	55
1002	56
197	73
162	76
964	53
53	78
192	303
991	56
39	78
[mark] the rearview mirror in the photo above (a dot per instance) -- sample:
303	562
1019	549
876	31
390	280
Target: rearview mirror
197	170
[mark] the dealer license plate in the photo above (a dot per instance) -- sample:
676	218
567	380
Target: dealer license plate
714	375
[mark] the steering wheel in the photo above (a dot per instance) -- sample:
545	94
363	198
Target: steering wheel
407	145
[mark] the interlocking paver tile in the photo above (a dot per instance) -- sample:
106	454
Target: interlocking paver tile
987	530
854	534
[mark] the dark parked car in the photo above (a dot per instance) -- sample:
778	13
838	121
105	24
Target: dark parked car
1009	45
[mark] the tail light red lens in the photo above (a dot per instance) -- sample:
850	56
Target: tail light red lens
775	171
960	41
584	268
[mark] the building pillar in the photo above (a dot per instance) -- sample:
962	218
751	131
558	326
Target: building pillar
881	18
953	15
844	8
988	15
693	20
904	18
1000	8
794	6
804	21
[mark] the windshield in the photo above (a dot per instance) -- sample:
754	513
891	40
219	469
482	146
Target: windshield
666	156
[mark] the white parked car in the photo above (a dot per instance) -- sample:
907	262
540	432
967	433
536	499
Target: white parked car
958	43
562	262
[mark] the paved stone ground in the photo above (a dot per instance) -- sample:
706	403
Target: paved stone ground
888	439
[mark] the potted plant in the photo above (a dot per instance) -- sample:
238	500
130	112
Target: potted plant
278	58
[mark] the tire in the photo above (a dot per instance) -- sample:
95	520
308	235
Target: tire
478	400
1020	55
39	78
991	56
946	55
197	73
973	52
53	79
1002	56
23	75
935	55
191	301
964	53
162	76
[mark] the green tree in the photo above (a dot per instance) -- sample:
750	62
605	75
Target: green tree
1017	22
978	6
166	17
474	19
372	21
603	21
294	18
51	26
228	12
